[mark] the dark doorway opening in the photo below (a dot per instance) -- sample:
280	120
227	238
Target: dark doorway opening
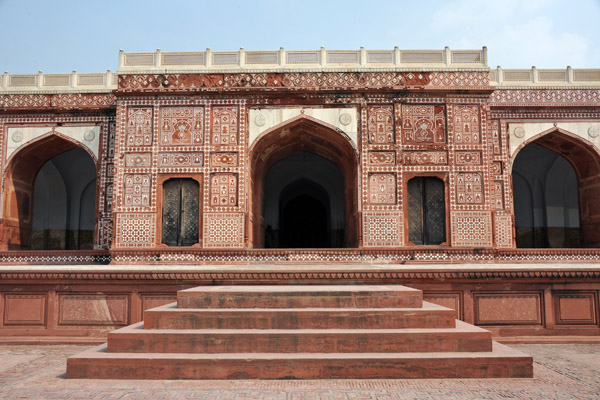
427	211
304	222
181	212
545	187
304	203
64	202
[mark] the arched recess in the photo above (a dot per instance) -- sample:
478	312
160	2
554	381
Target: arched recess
556	184
304	137
65	171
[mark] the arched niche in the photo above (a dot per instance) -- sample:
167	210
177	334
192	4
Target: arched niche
308	154
556	184
49	196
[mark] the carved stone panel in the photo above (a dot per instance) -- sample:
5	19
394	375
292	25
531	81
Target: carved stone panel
423	124
139	126
224	128
224	159
223	190
181	126
466	124
425	157
138	160
166	160
468	157
380	124
137	190
469	188
382	189
383	158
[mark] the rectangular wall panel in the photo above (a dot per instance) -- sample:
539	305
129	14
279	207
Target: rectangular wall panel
93	309
508	308
452	300
575	308
25	309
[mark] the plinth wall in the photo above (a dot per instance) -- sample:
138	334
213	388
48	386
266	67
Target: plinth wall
79	304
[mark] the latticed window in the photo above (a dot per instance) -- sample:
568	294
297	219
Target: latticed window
427	211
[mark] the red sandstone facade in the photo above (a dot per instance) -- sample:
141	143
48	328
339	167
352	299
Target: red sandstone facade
405	137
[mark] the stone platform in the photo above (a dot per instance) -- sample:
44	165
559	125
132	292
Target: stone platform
300	332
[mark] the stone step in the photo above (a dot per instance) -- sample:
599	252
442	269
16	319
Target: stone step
134	339
502	362
171	317
301	296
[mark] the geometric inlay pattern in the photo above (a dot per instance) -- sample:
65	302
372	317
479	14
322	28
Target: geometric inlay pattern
181	160
223	190
469	188
468	157
224	126
466	124
425	157
382	158
382	229
503	231
382	189
223	159
471	228
495	126
135	230
181	125
423	124
380	124
138	160
498	195
224	230
139	126
137	190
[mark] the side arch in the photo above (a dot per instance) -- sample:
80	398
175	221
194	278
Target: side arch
18	185
584	158
302	134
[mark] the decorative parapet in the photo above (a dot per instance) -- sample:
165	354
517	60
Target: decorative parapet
301	60
58	83
540	78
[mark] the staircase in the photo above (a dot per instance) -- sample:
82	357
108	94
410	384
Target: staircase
299	332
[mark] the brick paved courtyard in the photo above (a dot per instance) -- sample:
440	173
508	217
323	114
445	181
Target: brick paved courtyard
562	371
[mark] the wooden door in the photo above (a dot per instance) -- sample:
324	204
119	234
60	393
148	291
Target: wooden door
427	211
180	212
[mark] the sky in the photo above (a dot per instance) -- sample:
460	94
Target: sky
60	36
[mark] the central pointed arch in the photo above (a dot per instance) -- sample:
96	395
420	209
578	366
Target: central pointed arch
303	134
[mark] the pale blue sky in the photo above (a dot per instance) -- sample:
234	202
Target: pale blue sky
62	35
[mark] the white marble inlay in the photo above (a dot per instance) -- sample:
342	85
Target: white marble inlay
526	131
88	136
344	118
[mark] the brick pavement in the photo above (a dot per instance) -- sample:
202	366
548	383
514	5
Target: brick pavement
562	371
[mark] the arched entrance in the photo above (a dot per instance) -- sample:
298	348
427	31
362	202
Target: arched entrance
49	198
556	178
304	190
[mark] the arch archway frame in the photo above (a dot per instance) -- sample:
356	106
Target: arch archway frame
584	157
342	119
18	180
86	136
302	133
